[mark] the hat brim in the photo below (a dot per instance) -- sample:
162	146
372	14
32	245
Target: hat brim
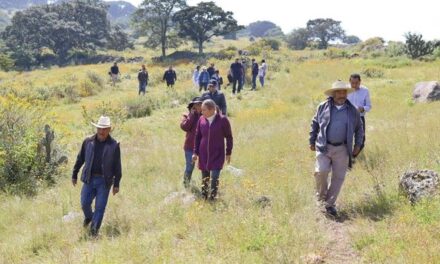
330	91
100	126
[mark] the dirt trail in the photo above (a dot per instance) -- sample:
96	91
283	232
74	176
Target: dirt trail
339	249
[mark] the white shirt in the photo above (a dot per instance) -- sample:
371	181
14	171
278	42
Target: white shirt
361	98
211	119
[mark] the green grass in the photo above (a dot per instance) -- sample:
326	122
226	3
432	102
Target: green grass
270	130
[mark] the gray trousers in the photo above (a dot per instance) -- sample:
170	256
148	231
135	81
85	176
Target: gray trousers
335	161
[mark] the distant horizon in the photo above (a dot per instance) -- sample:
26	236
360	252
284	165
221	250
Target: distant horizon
376	18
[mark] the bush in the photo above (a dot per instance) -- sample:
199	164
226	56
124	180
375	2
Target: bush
6	63
416	47
96	79
395	49
88	88
139	107
117	114
29	157
334	53
373	73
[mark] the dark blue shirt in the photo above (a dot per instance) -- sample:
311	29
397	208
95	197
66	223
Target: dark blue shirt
97	157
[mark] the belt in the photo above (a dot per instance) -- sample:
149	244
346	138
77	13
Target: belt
96	175
336	144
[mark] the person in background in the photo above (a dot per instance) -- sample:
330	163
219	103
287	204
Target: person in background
262	72
211	70
360	98
114	71
255	71
217	96
189	125
203	79
216	77
237	72
209	149
143	80
195	77
170	77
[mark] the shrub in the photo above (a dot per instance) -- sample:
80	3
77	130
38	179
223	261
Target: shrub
334	53
416	47
6	63
373	73
96	79
139	107
29	156
117	114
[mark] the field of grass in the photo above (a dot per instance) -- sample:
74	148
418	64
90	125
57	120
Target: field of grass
270	130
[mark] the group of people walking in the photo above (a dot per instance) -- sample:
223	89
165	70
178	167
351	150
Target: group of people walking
337	137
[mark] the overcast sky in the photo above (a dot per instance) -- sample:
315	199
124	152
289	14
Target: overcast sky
389	19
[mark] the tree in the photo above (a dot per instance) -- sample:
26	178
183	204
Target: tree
202	22
154	19
298	39
77	24
325	30
351	39
260	28
416	47
118	39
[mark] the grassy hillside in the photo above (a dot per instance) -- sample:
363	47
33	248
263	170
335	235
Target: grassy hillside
270	130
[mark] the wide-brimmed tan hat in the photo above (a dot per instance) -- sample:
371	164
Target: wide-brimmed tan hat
103	122
338	85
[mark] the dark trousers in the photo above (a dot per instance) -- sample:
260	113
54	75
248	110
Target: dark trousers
254	81
236	81
203	86
212	176
95	190
363	125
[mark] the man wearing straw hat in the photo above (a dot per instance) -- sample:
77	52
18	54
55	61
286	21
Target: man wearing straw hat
335	128
101	156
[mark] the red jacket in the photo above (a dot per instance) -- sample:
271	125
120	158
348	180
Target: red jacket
189	125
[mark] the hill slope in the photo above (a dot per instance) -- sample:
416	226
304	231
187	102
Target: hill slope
270	130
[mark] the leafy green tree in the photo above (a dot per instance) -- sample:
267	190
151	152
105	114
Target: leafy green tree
325	30
202	22
118	39
416	47
351	39
298	39
77	24
154	20
264	29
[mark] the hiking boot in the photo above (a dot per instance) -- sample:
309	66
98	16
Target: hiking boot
186	180
331	210
86	222
93	231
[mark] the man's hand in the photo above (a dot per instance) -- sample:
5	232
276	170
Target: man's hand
228	159
115	190
194	158
74	181
312	147
361	109
356	151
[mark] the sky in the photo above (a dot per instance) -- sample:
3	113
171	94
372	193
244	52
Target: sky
389	19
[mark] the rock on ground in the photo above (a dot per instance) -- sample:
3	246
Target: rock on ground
419	184
426	92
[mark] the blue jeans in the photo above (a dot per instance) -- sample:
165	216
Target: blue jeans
213	175
262	81
142	87
254	81
98	190
189	168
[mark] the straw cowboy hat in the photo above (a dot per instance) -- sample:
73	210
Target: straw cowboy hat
337	86
103	122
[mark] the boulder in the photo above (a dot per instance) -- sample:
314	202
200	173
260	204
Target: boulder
419	184
426	92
